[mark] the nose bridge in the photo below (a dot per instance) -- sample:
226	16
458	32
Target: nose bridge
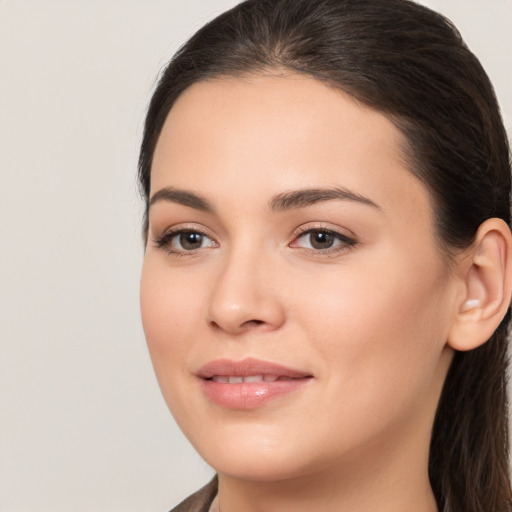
243	295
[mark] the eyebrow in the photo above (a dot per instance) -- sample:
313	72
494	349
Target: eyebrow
309	196
183	197
285	201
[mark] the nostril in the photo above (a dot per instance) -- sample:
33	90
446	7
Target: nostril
250	323
241	327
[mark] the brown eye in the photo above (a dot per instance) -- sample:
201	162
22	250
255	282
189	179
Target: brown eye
183	241
190	240
321	239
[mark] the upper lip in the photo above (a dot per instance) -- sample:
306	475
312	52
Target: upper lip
248	367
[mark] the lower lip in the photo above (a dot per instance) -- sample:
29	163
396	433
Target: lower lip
249	395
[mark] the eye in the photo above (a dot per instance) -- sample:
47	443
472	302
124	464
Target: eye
189	240
320	239
184	240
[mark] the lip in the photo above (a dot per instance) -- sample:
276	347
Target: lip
249	395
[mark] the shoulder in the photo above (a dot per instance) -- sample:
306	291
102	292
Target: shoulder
200	501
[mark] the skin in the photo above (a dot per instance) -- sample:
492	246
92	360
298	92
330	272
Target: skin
369	320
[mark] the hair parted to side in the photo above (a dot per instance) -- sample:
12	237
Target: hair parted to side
411	64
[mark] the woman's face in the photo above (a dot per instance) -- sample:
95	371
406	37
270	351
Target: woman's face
295	304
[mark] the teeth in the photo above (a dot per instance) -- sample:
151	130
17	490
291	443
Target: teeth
253	378
220	378
224	379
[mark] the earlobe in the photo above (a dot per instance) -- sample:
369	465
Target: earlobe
487	286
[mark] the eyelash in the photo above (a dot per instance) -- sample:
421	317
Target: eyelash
165	240
346	242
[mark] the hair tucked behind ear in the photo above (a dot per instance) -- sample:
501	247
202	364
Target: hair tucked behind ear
411	64
469	467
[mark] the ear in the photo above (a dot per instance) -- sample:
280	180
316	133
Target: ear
487	286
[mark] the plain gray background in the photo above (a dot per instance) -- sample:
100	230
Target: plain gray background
82	424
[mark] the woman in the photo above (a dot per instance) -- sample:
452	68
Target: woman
327	278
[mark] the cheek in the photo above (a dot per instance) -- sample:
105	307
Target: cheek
169	310
380	337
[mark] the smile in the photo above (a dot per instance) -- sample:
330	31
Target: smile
250	378
249	383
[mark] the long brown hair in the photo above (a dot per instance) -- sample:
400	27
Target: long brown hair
411	64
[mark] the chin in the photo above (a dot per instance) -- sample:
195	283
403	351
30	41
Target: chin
260	452
257	467
255	453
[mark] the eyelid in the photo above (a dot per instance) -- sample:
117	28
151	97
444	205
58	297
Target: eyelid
347	237
324	226
163	240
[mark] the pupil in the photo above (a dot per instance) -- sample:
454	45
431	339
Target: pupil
321	240
191	240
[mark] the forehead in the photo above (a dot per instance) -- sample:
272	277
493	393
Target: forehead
268	133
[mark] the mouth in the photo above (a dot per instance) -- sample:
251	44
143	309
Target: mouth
249	383
234	379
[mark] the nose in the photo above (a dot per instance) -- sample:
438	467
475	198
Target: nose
245	297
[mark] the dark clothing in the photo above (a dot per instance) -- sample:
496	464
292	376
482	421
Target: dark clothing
201	500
